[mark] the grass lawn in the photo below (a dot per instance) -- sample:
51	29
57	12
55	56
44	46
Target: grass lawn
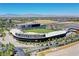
38	30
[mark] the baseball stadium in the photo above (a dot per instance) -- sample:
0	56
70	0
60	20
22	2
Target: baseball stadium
36	31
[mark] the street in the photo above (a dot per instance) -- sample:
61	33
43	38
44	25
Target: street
69	51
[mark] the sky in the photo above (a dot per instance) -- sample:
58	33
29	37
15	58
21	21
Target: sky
40	8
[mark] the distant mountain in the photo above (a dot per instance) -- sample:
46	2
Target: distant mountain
34	15
23	15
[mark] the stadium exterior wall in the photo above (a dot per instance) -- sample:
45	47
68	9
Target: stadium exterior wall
39	39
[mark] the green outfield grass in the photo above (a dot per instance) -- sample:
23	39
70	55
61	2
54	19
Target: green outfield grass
38	30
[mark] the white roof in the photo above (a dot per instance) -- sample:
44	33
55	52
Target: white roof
13	31
55	33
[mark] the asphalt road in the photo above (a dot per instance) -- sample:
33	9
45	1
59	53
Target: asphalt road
70	51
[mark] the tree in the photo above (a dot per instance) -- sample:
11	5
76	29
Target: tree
9	50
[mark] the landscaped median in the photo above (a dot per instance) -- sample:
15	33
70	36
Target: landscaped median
47	51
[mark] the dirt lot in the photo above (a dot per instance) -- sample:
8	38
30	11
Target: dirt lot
44	21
